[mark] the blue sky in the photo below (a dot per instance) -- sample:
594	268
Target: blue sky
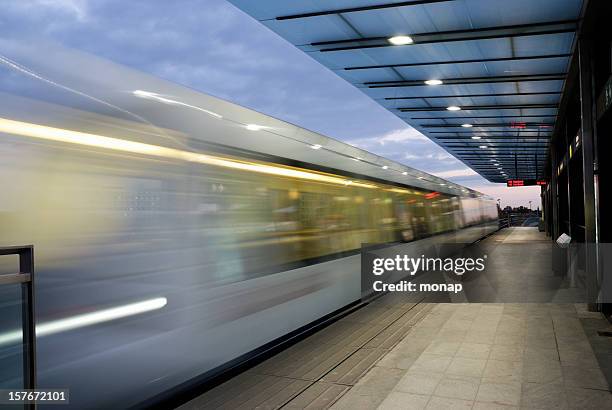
211	46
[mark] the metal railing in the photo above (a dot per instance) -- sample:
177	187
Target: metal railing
515	219
25	277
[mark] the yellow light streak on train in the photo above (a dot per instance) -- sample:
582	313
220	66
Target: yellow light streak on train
99	141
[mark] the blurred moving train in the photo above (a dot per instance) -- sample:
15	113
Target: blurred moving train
175	232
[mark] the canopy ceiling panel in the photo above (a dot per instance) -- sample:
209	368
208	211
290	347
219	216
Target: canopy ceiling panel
500	64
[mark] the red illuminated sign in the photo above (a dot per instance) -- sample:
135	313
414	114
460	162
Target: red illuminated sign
515	182
519	125
525	182
432	195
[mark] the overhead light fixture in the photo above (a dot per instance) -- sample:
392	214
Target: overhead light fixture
404	173
500	168
483	146
467	125
453	108
400	40
434	82
420	178
315	146
356	159
385	167
442	184
476	137
253	127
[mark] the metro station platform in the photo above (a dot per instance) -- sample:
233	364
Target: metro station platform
397	353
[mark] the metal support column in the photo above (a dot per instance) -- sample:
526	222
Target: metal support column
554	196
586	128
568	174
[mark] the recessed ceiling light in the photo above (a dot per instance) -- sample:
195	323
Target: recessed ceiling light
442	184
420	178
483	146
356	159
253	127
467	125
495	164
385	167
404	173
453	108
500	168
315	146
476	137
434	82
400	40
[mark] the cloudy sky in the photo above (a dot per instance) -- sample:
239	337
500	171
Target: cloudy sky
211	46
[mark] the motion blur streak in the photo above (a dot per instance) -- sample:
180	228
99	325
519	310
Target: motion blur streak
87	319
250	226
156	97
99	141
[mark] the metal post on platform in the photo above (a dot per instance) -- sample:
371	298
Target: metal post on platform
25	277
26	266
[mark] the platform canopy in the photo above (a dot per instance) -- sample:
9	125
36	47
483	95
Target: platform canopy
481	78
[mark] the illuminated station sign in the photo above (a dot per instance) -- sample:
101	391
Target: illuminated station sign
525	182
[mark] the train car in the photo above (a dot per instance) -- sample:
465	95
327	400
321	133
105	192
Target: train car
175	232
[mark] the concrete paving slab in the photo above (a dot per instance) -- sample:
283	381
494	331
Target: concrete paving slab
395	354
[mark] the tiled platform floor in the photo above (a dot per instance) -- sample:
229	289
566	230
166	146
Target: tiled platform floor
318	370
401	353
488	356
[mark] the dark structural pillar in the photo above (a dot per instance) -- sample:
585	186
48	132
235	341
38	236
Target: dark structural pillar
588	167
553	213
